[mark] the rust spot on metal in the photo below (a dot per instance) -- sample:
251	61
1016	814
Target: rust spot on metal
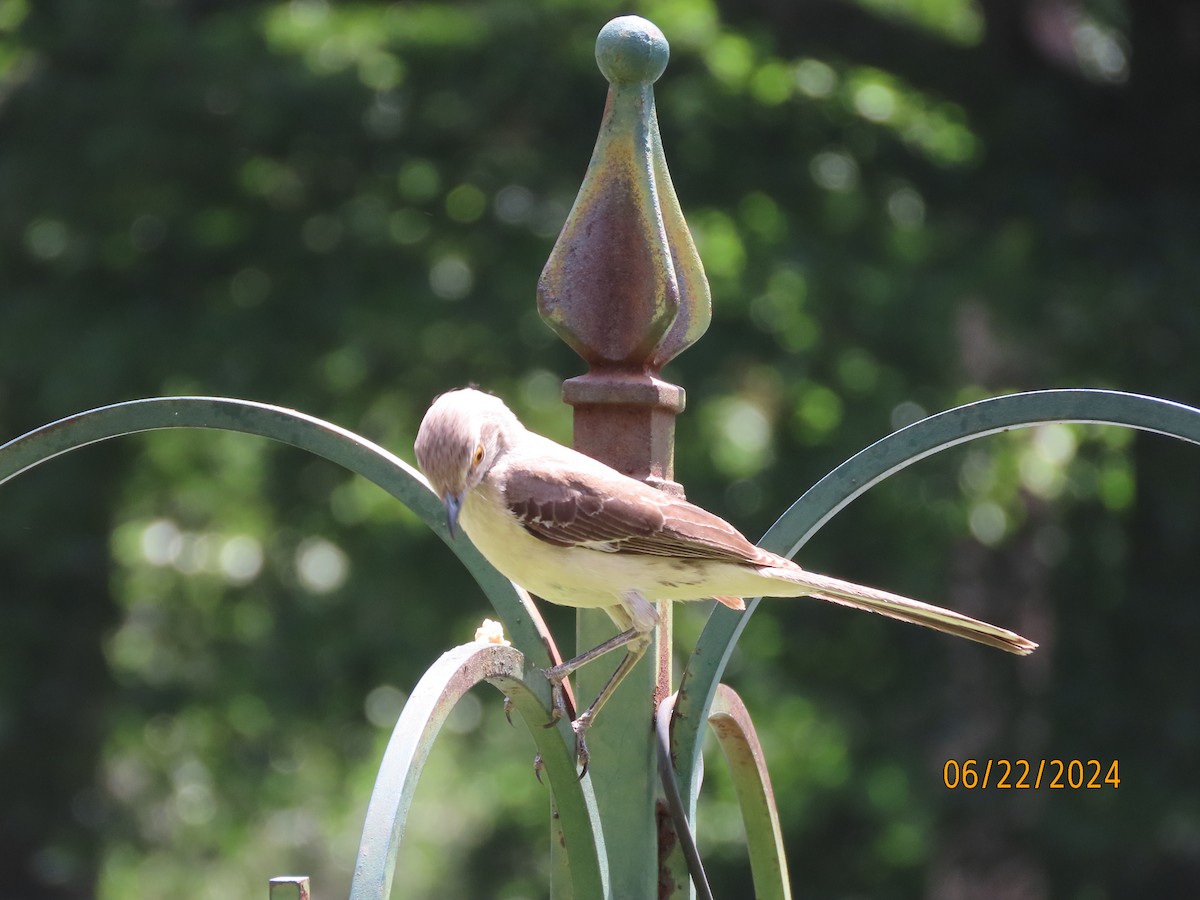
556	827
606	291
667	839
628	421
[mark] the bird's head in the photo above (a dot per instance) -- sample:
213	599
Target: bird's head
462	435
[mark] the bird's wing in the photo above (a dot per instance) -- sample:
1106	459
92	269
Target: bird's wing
579	505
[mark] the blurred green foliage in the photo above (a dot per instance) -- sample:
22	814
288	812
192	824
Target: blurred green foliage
344	207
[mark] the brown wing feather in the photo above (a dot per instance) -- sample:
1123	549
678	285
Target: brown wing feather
606	511
581	503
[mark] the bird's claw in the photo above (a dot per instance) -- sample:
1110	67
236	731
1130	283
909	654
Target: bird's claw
582	756
558	709
558	701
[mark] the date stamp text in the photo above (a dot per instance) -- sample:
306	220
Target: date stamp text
1031	774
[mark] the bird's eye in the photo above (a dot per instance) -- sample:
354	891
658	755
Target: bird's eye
478	455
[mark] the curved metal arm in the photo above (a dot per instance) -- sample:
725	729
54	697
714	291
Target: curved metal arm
521	619
731	723
869	467
444	683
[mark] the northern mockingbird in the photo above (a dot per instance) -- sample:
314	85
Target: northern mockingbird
576	532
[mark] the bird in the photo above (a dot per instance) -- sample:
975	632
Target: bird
576	532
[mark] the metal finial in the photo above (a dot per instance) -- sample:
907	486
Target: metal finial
624	286
631	49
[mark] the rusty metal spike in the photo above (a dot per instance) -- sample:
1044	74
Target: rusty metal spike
624	285
695	301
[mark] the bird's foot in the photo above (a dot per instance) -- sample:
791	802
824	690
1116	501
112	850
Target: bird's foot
582	756
558	697
508	708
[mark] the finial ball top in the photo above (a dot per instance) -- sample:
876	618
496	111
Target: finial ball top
631	49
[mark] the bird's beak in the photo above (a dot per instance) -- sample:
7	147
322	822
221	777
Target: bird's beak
453	503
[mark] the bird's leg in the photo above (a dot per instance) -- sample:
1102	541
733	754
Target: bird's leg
556	675
636	650
640	612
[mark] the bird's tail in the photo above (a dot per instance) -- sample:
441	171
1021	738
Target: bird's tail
856	595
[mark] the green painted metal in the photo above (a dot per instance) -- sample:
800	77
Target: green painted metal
882	459
560	861
444	683
730	720
522	622
622	771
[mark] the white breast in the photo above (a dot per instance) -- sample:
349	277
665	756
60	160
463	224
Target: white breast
563	575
